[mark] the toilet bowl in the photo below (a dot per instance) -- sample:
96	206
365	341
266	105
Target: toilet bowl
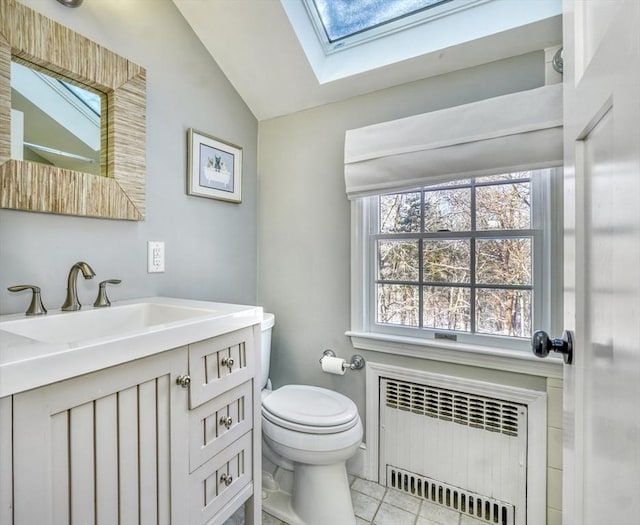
308	432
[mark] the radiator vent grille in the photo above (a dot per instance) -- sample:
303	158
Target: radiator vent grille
475	411
482	508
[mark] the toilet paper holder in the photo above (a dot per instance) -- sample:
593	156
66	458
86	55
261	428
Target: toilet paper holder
357	361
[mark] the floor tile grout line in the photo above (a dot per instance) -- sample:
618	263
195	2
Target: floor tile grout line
373	518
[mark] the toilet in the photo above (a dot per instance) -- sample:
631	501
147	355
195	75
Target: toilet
308	433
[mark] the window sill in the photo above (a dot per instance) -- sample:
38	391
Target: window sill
459	353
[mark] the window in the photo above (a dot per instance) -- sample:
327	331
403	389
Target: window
88	98
340	24
341	19
468	260
477	262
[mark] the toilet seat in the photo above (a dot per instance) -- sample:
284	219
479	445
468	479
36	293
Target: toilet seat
310	409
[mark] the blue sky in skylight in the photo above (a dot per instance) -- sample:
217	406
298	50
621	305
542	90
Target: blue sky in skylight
342	18
91	100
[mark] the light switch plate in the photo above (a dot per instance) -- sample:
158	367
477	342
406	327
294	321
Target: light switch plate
155	256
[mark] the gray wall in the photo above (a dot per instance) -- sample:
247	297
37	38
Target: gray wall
210	245
304	226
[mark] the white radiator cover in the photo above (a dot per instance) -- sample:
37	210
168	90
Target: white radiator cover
470	446
471	442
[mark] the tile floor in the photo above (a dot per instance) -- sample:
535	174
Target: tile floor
374	504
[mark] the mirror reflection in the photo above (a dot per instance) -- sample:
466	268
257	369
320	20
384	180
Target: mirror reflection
53	121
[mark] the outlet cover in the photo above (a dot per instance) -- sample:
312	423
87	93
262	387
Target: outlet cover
155	256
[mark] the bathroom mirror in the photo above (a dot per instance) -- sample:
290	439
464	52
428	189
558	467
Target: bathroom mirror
44	46
54	122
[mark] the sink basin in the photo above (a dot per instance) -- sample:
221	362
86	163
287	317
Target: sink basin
40	350
115	321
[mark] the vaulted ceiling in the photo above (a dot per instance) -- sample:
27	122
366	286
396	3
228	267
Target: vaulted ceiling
277	69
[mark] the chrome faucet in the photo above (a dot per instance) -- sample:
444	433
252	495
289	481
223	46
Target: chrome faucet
71	303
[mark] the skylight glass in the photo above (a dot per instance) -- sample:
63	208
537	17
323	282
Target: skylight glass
89	99
342	19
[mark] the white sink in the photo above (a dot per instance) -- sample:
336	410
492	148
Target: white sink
40	350
114	321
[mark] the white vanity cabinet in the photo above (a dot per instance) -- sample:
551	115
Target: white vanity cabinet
168	438
105	446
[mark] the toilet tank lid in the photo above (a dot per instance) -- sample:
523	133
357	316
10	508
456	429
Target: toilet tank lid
268	320
310	406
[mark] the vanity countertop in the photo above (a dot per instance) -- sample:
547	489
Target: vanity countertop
28	362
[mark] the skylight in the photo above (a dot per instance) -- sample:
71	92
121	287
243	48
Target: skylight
345	18
89	99
340	24
422	37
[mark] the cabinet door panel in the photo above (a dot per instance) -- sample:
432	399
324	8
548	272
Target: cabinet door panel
104	439
60	467
218	423
147	455
81	466
220	363
219	480
127	458
164	466
106	449
6	453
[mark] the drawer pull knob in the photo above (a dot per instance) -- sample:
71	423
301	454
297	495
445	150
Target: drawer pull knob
226	421
227	361
184	381
226	479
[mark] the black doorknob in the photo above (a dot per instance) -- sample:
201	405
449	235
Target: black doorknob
542	344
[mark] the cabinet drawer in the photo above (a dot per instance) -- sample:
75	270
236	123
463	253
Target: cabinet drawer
218	423
221	478
220	363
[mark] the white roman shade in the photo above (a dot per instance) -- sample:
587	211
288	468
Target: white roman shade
503	134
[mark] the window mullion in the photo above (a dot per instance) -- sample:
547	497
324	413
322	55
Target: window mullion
505	287
421	264
483	234
472	261
373	225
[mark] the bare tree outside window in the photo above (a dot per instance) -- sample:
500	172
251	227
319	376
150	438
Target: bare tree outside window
457	257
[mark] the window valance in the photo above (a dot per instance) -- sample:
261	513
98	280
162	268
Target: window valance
503	134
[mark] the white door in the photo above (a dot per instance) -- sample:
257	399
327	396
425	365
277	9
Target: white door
601	483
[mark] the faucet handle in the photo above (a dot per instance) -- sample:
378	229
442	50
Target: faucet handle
102	300
36	307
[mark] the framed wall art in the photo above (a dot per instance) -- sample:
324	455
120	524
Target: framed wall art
214	167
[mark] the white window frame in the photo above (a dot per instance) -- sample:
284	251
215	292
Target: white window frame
409	20
476	349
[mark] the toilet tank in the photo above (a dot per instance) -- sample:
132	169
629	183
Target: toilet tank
268	320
